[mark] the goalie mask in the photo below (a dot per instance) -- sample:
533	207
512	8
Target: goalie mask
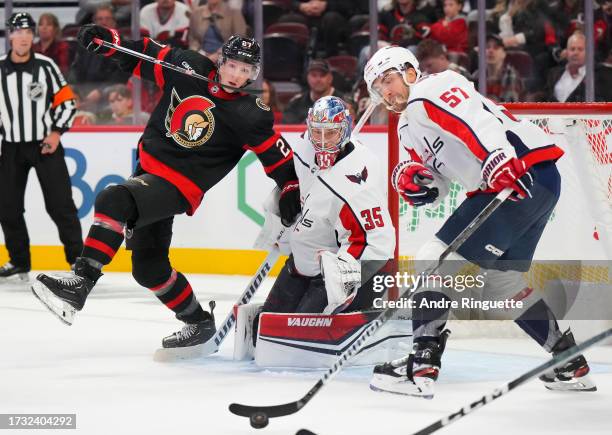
329	129
245	50
386	62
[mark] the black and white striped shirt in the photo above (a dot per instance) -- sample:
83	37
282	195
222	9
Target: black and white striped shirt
34	99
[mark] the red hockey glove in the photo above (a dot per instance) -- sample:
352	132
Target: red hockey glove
411	180
501	170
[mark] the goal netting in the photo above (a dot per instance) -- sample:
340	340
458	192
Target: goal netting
577	244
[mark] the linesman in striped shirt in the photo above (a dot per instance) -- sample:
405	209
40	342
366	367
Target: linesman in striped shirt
36	107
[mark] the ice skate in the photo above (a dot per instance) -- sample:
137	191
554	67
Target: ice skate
571	376
189	342
414	375
10	274
65	295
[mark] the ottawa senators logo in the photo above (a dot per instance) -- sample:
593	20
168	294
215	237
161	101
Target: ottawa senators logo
190	121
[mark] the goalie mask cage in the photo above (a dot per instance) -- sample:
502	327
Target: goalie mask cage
580	228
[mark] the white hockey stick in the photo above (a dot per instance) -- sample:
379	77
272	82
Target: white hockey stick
364	118
263	413
213	344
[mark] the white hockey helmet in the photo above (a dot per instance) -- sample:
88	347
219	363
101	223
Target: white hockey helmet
390	57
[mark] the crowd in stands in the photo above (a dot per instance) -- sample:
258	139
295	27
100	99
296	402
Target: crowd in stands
535	49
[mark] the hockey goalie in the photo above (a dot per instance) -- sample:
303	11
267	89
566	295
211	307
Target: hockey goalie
343	238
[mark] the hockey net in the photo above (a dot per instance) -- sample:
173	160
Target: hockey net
579	230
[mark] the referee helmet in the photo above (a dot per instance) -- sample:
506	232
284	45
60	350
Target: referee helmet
20	20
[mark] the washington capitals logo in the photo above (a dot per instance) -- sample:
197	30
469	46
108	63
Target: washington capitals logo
358	178
190	121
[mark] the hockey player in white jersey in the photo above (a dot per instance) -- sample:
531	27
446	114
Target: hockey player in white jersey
344	220
450	132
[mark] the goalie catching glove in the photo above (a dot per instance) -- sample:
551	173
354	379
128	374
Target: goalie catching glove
412	180
501	170
88	32
342	275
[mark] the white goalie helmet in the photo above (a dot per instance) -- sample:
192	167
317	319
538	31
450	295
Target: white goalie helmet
390	57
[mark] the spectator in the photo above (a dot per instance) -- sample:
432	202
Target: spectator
504	84
452	30
270	99
166	21
606	17
329	17
566	83
82	117
122	107
90	73
320	79
433	58
49	43
525	26
212	24
403	24
122	10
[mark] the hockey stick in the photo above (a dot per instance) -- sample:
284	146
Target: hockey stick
364	118
213	344
171	66
506	388
258	413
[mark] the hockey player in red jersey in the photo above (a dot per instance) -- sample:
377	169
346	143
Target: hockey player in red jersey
197	133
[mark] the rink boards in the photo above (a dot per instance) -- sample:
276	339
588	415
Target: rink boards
218	238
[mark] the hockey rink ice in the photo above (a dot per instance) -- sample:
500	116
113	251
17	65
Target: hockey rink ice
102	369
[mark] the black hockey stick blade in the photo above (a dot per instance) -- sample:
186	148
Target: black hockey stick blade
506	388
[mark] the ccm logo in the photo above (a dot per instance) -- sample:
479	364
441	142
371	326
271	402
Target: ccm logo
309	321
495	251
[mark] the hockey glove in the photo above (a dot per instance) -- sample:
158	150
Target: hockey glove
411	180
289	202
501	170
88	32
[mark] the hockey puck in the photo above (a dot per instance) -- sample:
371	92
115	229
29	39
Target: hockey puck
259	420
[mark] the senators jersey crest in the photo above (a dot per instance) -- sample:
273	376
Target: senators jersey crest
190	121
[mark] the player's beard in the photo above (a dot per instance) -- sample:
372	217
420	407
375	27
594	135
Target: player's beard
397	104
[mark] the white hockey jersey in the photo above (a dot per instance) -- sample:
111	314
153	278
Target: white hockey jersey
344	208
451	128
176	27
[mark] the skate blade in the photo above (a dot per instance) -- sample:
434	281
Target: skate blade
405	388
62	310
184	353
19	279
583	383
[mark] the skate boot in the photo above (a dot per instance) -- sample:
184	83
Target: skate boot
571	376
414	375
65	295
13	274
190	341
192	334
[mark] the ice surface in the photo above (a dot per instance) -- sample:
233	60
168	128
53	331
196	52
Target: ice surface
101	368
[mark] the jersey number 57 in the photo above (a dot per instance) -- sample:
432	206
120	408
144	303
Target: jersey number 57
452	97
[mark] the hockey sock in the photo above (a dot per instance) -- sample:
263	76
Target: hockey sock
429	314
176	294
114	207
540	323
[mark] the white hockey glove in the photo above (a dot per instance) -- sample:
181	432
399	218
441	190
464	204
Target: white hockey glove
342	275
273	227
